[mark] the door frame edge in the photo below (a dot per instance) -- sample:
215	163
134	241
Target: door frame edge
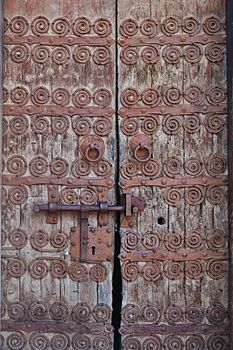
230	156
1	115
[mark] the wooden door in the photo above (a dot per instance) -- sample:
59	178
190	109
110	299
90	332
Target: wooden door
173	141
110	105
59	148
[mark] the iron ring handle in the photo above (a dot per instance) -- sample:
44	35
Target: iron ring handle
142	156
93	147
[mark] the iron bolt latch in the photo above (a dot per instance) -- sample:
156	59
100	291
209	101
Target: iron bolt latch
82	237
129	205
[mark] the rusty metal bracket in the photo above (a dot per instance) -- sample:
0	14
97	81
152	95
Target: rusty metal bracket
11	109
103	215
84	213
179	109
56	327
181	328
51	40
173	39
181	255
178	182
53	197
9	180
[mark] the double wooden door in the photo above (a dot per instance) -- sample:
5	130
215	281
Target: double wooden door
114	193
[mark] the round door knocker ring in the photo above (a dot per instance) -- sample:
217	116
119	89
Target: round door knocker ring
92	148
140	146
93	153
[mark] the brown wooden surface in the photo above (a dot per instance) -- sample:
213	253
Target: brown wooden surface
84	301
168	282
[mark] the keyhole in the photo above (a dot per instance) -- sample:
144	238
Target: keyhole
161	221
93	250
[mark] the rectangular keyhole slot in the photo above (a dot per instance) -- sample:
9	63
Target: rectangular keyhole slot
93	250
